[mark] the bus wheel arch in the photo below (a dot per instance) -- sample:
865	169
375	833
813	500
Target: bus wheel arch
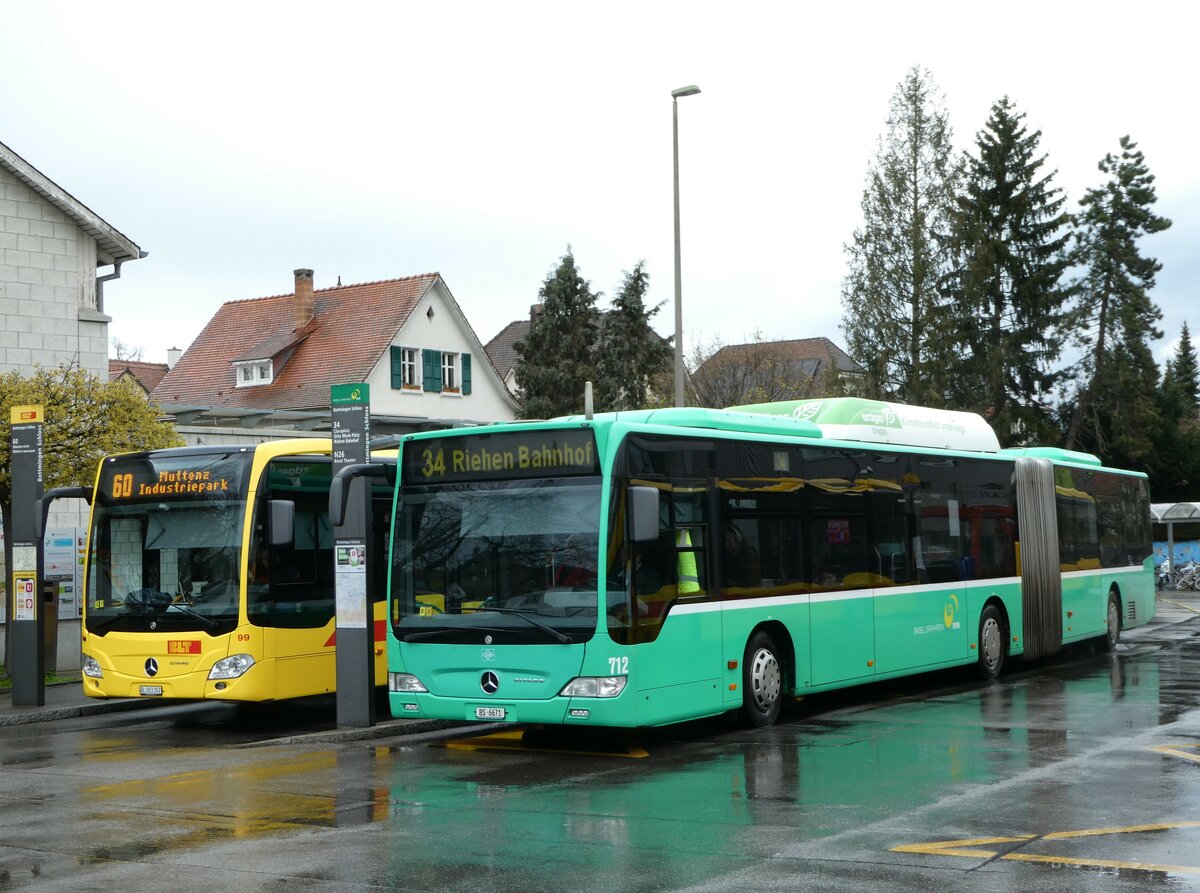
767	668
1112	623
993	639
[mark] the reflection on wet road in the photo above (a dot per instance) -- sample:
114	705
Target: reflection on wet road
1081	774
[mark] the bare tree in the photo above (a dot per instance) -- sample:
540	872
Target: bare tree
124	351
757	372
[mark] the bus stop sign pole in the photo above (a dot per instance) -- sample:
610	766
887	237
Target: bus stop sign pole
355	658
27	663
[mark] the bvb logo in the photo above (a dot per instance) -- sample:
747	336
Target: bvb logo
950	610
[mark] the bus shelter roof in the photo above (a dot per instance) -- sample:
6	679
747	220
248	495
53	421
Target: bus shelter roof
1162	512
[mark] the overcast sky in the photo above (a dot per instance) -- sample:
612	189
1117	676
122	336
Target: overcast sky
236	142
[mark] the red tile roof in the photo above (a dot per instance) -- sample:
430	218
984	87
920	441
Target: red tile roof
812	356
352	327
148	375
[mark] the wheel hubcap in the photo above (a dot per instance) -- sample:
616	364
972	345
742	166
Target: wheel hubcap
991	642
765	678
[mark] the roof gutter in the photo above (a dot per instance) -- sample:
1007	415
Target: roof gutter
115	274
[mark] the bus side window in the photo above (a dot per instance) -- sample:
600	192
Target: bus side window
687	533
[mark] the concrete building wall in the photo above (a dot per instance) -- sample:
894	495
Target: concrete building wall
48	310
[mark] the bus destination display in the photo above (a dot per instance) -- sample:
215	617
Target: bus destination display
200	477
500	456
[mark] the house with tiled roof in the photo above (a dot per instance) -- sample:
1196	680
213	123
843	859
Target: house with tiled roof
762	371
144	376
56	254
502	350
269	363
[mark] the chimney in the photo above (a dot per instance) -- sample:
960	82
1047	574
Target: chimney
173	355
535	311
304	298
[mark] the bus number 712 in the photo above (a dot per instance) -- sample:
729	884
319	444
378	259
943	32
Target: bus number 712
618	666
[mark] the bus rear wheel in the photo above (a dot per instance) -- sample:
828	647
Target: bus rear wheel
1112	632
991	643
762	681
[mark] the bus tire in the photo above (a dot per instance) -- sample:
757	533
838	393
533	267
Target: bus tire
762	681
992	642
1112	632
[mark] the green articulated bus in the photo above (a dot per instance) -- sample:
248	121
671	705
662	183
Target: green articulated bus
642	568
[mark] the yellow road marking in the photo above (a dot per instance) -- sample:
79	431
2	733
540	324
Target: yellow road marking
970	848
1128	829
958	847
1178	751
1176	604
1103	863
515	741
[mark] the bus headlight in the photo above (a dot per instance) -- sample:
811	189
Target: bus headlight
231	667
92	668
405	682
594	687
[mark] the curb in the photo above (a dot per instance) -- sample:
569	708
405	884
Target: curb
49	714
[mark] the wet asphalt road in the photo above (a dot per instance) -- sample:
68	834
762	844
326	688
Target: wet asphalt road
1080	774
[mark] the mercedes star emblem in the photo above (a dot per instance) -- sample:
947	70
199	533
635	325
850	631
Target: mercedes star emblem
489	682
151	667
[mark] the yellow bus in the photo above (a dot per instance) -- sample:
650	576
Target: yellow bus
209	573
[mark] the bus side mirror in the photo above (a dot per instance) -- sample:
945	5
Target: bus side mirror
281	522
643	514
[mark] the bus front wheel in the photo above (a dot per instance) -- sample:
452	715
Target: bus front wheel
991	642
762	681
1112	632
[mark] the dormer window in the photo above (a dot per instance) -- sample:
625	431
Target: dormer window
254	373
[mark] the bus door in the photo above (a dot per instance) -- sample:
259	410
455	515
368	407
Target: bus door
290	588
677	625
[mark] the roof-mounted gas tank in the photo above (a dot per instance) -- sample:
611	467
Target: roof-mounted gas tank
873	421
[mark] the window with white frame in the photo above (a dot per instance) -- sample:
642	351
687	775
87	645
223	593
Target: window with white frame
450	380
408	368
254	373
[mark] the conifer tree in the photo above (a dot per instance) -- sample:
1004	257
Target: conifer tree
1183	373
1011	239
1113	412
894	317
558	356
1174	460
632	354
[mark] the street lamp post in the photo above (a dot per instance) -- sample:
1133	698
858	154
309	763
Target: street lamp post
690	90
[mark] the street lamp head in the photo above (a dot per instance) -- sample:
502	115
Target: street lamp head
690	90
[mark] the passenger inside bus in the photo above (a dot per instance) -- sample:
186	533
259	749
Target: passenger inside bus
742	567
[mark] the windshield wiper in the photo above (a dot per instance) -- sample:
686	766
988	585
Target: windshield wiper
434	633
208	622
548	630
94	625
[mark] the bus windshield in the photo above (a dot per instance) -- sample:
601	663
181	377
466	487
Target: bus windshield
512	560
165	544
